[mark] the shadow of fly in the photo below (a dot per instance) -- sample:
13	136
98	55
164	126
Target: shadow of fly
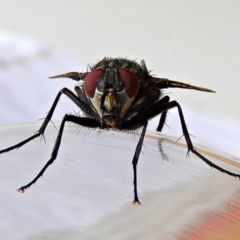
120	94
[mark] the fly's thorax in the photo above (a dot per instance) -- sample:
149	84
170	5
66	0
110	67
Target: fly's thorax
111	92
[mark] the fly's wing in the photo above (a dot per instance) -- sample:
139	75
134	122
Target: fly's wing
166	83
73	75
160	82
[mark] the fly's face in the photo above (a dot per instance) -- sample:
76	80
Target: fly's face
111	91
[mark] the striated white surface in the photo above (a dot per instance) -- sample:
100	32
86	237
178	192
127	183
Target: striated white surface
87	192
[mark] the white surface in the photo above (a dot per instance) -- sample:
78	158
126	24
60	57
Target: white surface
25	90
87	192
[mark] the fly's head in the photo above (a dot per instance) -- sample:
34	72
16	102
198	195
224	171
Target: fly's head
111	90
114	90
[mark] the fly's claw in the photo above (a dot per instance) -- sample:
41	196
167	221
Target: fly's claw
136	203
20	190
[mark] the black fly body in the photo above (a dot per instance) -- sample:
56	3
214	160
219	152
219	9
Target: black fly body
122	95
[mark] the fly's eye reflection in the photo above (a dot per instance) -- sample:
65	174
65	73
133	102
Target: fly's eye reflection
126	110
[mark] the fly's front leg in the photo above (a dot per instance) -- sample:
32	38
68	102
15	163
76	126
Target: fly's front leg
135	161
40	132
86	122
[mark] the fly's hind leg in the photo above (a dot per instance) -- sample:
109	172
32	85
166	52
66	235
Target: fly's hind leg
163	117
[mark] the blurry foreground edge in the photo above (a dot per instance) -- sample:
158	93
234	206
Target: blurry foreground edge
223	225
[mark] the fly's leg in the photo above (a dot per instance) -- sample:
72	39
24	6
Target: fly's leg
40	132
135	161
160	107
86	122
163	117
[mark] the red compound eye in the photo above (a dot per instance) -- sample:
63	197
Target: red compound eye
130	81
91	80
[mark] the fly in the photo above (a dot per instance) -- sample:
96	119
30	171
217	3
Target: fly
118	94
